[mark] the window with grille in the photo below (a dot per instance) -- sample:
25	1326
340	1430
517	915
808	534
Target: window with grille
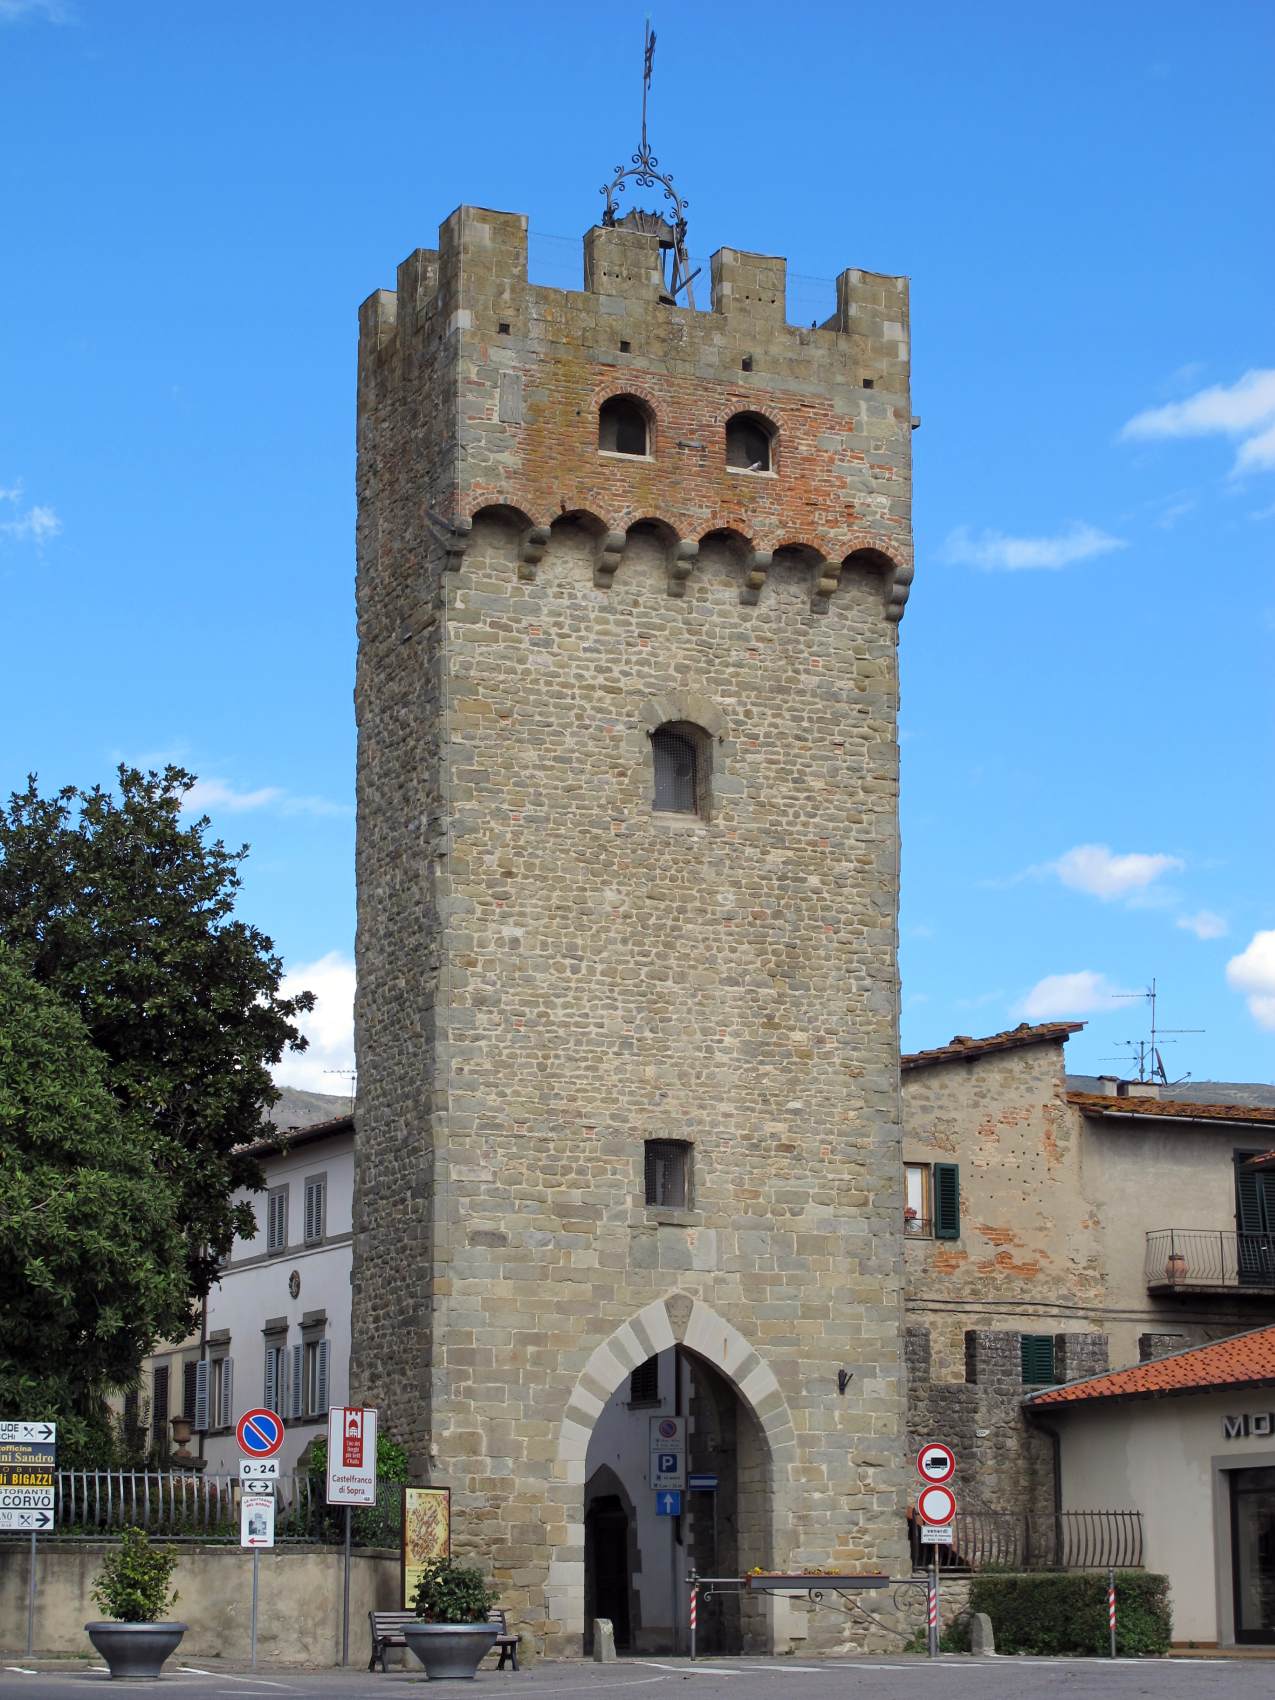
668	1163
644	1383
277	1219
1038	1359
679	759
316	1206
748	442
624	426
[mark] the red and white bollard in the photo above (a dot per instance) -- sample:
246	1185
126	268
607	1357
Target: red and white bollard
1111	1609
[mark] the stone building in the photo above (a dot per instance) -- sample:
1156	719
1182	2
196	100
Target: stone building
630	578
1056	1224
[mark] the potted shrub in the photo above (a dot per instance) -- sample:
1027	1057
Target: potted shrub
452	1602
133	1590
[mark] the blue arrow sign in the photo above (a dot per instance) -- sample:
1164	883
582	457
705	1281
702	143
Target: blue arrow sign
668	1503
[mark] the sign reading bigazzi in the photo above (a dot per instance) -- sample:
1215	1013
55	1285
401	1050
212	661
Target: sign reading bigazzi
28	1461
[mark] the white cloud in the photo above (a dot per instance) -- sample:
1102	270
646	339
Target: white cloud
1252	972
1205	924
1060	996
1096	869
1244	409
994	551
329	1026
207	796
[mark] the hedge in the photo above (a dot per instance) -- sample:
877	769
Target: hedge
1067	1613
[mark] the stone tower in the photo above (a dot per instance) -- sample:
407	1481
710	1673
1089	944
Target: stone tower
630	578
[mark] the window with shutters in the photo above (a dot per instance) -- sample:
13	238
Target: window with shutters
667	1164
277	1219
1038	1359
644	1383
316	1378
316	1208
159	1406
274	1397
946	1201
681	765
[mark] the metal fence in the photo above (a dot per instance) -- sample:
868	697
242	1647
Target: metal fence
190	1506
1008	1540
1179	1259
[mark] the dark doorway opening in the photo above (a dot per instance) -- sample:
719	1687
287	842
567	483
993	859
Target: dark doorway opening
1253	1553
608	1568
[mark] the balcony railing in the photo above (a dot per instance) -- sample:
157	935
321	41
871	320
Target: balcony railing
1185	1260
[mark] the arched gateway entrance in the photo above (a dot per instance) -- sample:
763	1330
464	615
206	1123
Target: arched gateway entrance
676	1357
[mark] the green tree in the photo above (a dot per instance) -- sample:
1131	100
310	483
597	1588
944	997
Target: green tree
92	1266
125	910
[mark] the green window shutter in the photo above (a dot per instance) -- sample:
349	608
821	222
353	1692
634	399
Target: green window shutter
1038	1359
947	1201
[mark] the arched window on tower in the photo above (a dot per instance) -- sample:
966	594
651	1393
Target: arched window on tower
624	426
750	441
680	758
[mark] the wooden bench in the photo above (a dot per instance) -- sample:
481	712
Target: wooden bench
387	1631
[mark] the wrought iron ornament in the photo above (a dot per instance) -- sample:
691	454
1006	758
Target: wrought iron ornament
644	170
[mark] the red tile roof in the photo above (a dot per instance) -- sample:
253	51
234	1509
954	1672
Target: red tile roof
965	1047
1244	1360
1176	1107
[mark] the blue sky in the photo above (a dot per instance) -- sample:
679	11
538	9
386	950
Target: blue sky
197	197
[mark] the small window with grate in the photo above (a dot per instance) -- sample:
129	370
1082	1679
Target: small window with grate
624	426
644	1383
668	1164
1038	1359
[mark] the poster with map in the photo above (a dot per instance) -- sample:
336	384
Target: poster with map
427	1533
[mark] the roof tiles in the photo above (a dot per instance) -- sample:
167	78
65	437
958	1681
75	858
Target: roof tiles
1243	1360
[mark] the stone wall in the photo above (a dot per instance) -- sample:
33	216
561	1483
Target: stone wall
299	1600
549	972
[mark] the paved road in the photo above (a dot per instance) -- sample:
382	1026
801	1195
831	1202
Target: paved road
899	1678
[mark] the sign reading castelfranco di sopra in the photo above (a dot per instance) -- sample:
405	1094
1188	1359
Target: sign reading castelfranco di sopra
1258	1423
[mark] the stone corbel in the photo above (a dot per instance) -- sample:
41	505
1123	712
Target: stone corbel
681	565
758	563
535	540
897	593
610	549
829	577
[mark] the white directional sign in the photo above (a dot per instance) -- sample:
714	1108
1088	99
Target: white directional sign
351	1455
936	1462
256	1520
668	1453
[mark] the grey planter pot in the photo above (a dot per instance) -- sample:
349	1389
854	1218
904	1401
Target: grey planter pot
135	1649
451	1652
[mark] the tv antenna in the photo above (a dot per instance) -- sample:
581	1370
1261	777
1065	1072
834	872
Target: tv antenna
1146	1052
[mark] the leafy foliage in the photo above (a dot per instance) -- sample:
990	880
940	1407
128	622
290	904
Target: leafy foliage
1067	1613
92	1268
449	1592
132	1586
125	910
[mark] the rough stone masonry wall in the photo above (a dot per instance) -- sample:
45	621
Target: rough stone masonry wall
550	973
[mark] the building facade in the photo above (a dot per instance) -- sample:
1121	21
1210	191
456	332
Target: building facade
630	578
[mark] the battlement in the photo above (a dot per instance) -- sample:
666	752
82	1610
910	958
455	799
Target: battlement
504	383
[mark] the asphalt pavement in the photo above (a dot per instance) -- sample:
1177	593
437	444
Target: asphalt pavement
901	1677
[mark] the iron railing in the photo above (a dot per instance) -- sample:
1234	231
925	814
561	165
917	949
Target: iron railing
1190	1259
189	1506
1009	1540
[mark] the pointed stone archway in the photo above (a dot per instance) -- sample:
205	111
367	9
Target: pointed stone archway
677	1320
